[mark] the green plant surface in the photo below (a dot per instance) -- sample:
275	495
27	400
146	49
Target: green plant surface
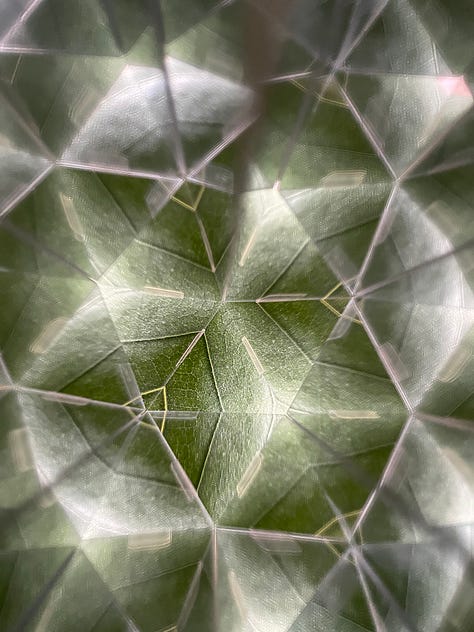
236	329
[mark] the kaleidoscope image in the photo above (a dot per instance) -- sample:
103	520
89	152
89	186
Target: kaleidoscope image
237	315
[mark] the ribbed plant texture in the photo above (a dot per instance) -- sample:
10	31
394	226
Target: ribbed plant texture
237	315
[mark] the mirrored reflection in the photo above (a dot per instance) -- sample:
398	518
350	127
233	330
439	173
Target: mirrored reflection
236	333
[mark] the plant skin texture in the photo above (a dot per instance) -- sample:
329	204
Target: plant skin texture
237	315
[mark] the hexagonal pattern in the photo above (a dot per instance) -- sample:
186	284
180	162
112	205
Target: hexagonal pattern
236	339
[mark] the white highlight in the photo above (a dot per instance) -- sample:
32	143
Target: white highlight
354	414
72	217
253	356
249	475
46	337
161	291
281	298
149	541
20	449
344	178
248	247
191	346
